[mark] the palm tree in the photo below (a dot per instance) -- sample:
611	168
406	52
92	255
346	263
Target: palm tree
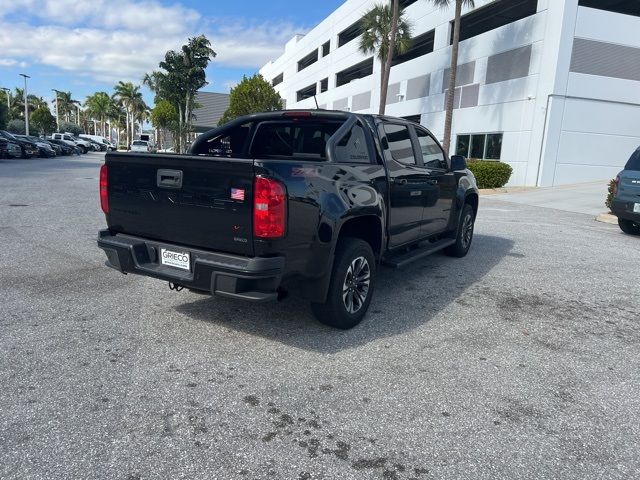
65	105
454	65
97	106
387	32
116	115
128	94
17	103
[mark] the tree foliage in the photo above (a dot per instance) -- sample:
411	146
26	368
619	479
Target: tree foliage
71	128
17	126
387	33
42	121
252	95
377	24
181	75
4	116
130	98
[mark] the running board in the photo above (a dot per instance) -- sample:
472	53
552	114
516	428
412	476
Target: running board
399	260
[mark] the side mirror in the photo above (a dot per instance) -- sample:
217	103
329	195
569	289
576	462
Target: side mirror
458	162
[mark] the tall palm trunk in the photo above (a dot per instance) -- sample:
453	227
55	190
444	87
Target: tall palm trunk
187	119
127	127
386	68
452	78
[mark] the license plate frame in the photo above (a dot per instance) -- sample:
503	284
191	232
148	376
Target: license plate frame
175	259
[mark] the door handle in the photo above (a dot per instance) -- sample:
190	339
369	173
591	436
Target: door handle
400	181
169	178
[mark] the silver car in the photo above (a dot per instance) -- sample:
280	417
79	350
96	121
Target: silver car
140	146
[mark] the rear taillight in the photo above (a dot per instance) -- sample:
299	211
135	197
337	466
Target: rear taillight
269	208
616	184
104	189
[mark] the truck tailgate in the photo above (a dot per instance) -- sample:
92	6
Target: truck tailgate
201	202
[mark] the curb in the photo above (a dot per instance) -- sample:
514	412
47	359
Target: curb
500	191
607	218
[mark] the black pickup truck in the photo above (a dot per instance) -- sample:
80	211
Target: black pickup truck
303	201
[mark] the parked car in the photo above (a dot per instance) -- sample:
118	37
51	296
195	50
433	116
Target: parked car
311	201
140	146
9	149
45	149
28	148
68	148
103	142
626	200
82	144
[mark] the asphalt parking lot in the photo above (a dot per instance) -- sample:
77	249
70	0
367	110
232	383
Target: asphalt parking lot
521	360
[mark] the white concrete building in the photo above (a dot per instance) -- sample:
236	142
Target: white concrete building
551	87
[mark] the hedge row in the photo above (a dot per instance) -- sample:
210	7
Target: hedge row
490	174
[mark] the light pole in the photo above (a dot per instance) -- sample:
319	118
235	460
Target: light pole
57	117
26	104
8	99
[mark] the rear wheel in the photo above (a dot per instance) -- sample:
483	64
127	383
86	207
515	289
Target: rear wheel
351	286
629	227
464	234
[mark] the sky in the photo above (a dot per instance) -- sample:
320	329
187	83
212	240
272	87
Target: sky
84	46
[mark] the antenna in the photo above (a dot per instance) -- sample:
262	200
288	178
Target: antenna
316	100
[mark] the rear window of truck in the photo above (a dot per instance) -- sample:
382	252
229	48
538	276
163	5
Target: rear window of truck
285	140
634	161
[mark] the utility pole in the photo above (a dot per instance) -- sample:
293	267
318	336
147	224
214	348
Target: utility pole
57	117
26	104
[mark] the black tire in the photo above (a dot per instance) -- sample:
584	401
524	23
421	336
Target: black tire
464	233
83	149
348	298
629	227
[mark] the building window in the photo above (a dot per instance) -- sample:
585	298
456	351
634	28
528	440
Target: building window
349	33
359	70
494	15
277	80
420	45
308	60
626	7
483	146
324	85
326	48
306	92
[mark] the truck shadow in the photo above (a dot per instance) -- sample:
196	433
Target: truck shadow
404	300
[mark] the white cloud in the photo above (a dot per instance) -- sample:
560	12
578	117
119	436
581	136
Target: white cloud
110	40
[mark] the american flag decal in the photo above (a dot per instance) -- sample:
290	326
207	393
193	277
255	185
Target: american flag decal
237	194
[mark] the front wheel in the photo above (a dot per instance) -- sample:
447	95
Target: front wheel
351	286
464	234
629	227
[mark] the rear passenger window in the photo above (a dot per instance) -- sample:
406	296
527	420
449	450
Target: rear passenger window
399	142
293	140
432	154
352	148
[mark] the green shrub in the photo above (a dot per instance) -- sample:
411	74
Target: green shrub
609	201
16	126
490	174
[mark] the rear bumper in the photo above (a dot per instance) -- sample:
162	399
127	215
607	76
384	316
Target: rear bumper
624	210
254	279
